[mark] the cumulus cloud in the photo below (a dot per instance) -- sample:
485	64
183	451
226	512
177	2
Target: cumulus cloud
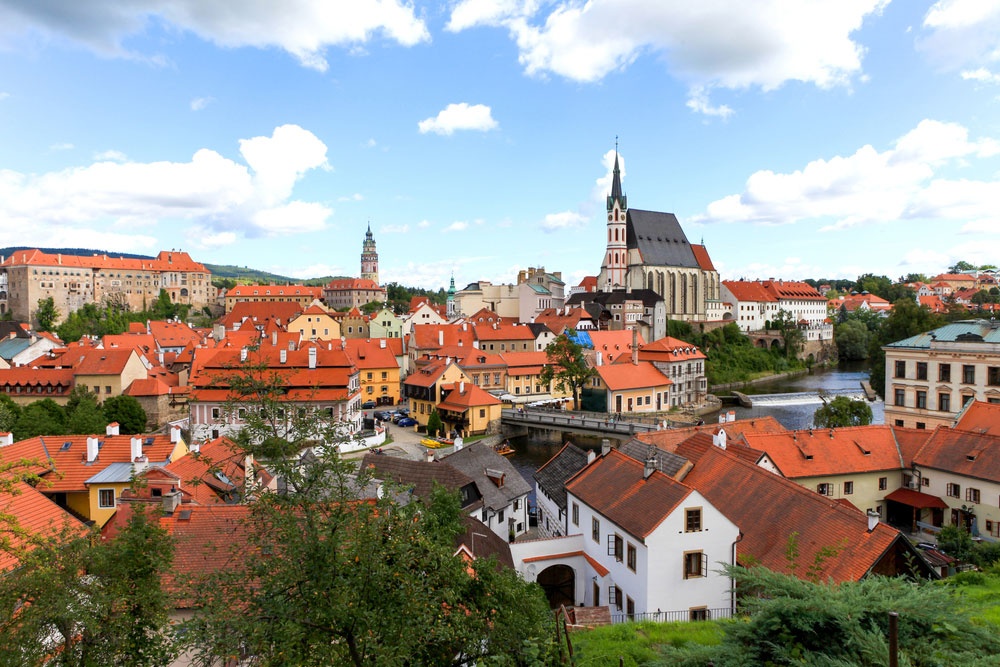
62	147
357	196
981	75
303	28
962	34
871	187
110	156
710	44
457	226
199	103
394	229
462	116
564	220
219	198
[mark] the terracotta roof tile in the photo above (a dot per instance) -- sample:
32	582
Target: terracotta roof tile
34	514
837	451
620	377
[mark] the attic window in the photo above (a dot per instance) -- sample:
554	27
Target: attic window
970	457
65	446
185	515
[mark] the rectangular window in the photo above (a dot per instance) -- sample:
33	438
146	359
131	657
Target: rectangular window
993	376
692	520
848	488
900	369
595	529
944	372
216	412
883	483
107	389
699	614
968	374
824	489
944	402
576	514
921	370
922	400
695	564
629	607
106	498
631	557
616	547
900	397
972	495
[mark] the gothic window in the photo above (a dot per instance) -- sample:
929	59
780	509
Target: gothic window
649	280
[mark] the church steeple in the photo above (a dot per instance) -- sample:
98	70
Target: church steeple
616	186
450	304
614	268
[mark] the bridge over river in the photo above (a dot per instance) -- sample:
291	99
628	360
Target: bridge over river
522	422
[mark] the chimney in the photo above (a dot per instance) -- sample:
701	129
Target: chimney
136	448
461	387
171	501
591	455
243	354
91	448
719	439
381	343
160	357
873	519
6	439
283	356
312	358
722	418
441	337
112	429
175	434
195	447
731	416
274	338
429	456
649	467
605	446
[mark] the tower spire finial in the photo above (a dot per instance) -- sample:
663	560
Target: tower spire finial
616	183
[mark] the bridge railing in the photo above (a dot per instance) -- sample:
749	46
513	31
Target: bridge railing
574	420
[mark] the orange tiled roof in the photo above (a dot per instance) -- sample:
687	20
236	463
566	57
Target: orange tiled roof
173	334
428	375
701	256
749	290
614	486
472	396
261	311
100	362
143	341
792	289
164	261
910	440
669	349
36	516
343	284
835	451
769	509
433	336
503	331
250	291
621	377
669	439
967	453
981	417
613	342
368	353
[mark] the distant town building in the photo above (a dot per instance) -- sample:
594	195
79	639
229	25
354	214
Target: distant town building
72	281
300	294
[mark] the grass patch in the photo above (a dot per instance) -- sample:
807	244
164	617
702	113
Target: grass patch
640	643
978	594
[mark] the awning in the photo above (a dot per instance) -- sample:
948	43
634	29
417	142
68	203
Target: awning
916	499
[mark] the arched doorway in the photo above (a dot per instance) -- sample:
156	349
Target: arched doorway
559	584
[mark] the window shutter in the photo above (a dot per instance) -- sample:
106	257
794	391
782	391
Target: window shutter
704	565
611	545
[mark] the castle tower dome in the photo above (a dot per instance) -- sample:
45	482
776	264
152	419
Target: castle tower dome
369	257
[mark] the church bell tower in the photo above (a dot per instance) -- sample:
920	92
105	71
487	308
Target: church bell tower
369	257
615	265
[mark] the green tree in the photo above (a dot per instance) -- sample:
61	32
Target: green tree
371	307
343	580
791	335
87	418
961	266
79	601
46	314
843	411
9	412
434	424
164	308
44	417
853	339
567	366
797	622
127	411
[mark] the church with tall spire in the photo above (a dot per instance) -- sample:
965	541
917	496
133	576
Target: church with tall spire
649	250
369	257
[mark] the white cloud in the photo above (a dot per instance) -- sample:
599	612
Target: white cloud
708	44
564	220
370	143
457	226
357	196
303	28
871	187
110	156
199	103
394	229
424	224
698	102
220	199
462	116
981	75
3	95
62	147
962	33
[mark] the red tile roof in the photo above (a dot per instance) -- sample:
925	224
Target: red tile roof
164	261
260	312
29	514
344	284
981	417
701	256
503	331
250	291
614	486
821	452
428	375
621	377
669	439
433	336
368	353
461	400
100	362
669	349
770	509
966	453
749	290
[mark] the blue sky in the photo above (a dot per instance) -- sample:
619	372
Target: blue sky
797	139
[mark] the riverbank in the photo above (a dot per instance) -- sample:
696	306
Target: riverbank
716	388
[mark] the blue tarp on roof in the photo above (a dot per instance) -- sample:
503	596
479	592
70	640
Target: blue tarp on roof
581	338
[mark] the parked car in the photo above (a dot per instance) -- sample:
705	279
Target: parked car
407	421
384	416
368	405
403	411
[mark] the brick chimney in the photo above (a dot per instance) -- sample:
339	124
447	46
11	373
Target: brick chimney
171	501
136	448
92	448
312	358
6	439
175	434
112	429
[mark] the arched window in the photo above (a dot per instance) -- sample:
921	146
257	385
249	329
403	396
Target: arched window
649	281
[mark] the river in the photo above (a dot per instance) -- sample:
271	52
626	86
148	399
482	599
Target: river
785	402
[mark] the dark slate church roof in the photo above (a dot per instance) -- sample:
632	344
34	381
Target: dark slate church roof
552	476
666	462
659	239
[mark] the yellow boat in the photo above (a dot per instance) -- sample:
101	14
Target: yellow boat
436	443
